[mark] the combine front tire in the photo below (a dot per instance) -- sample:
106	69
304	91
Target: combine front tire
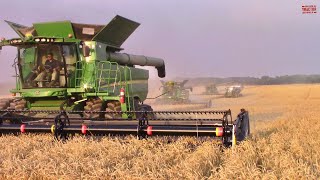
113	107
4	103
17	104
93	105
145	108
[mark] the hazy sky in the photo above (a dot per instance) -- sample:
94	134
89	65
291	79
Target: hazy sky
196	38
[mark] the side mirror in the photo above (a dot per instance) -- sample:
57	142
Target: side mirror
85	51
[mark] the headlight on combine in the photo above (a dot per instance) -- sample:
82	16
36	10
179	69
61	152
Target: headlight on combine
48	40
15	41
87	87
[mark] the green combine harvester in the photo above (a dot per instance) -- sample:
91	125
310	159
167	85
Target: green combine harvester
72	78
211	89
174	92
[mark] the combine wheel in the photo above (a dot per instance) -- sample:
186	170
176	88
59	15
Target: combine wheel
145	107
12	104
113	106
93	105
4	103
17	104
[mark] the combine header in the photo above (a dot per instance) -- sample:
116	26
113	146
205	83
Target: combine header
149	123
72	78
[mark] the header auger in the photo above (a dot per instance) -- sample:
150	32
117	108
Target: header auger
72	78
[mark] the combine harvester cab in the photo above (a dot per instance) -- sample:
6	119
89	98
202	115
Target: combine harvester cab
71	78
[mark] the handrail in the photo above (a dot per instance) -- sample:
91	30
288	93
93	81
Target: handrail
110	77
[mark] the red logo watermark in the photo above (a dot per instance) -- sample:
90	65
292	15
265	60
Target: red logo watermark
309	9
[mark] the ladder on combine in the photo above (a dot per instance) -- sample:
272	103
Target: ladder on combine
108	76
78	74
128	86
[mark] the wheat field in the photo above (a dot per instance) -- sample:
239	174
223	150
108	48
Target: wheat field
284	144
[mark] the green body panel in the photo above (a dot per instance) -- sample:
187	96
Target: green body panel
54	29
44	103
104	75
47	104
41	92
53	104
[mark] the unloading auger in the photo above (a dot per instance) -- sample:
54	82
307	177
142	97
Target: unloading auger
148	123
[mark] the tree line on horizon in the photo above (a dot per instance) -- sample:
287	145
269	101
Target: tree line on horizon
264	80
